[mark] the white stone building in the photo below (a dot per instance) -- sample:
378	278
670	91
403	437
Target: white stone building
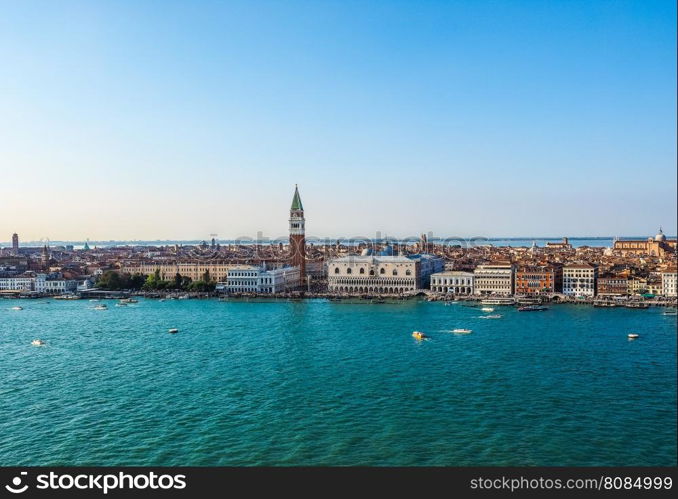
580	280
21	282
453	281
381	274
53	285
669	282
493	279
254	279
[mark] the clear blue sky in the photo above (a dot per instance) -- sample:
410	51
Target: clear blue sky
162	119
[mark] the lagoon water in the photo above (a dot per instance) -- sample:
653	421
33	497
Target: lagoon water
323	383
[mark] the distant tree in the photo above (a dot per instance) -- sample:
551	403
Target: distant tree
202	286
206	276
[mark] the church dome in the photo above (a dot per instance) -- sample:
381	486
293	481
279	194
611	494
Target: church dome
660	236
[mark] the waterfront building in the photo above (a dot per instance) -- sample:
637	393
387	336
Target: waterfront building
563	245
19	282
381	274
533	280
658	246
493	279
298	234
194	270
670	282
612	285
457	282
580	279
53	284
255	279
15	244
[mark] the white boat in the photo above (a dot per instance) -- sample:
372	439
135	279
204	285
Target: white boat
38	343
633	336
101	307
121	304
418	335
493	316
462	331
487	309
173	330
498	301
17	308
94	299
670	312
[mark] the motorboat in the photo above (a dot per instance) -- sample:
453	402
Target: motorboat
462	331
121	304
418	335
633	336
103	306
38	343
173	330
128	300
670	312
17	308
487	309
491	316
532	308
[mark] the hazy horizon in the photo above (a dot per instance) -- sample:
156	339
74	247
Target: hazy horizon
137	120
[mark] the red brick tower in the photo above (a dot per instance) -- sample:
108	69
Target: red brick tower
298	234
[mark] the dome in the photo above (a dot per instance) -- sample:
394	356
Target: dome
660	236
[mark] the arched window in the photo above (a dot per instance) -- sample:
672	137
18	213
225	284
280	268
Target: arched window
408	272
395	272
382	271
362	271
336	270
348	271
371	271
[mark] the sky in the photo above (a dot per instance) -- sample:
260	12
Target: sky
177	120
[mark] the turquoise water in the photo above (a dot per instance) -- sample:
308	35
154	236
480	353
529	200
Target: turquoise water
322	383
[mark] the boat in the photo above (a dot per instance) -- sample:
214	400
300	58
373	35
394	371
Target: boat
17	308
498	301
173	330
128	300
121	304
670	312
379	301
94	299
462	331
101	307
633	336
38	343
487	309
419	335
637	305
532	308
492	316
604	304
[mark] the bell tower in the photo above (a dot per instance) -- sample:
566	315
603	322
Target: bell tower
298	234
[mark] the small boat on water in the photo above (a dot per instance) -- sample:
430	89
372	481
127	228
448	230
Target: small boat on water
637	305
418	335
128	300
532	308
633	336
17	308
462	331
492	316
173	330
103	306
121	304
94	299
670	312
487	309
38	343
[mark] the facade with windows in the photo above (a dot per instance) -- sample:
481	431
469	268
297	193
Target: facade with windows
254	279
580	280
613	285
539	280
669	282
381	274
457	282
493	279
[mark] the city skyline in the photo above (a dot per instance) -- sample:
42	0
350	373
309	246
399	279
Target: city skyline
122	121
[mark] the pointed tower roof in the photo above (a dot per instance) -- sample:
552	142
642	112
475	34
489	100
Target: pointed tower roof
296	200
